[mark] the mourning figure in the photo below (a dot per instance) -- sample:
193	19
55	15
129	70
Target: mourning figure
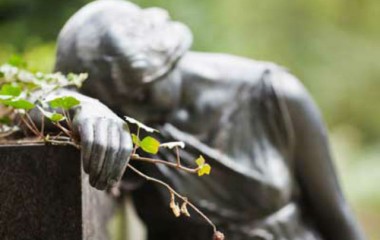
272	175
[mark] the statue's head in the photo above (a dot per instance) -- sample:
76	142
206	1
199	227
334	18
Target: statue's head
122	46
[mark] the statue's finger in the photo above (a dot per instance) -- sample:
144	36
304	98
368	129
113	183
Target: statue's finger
86	130
111	155
121	160
99	149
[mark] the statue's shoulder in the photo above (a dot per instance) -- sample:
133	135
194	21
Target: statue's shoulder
226	69
288	85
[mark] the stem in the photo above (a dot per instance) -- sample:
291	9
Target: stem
33	124
138	137
6	134
65	130
68	119
57	142
174	165
35	131
176	193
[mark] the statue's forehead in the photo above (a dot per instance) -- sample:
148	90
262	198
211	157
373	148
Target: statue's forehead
135	10
156	12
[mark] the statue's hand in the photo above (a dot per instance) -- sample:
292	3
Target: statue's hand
106	144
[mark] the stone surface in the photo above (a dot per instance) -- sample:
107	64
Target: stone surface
44	195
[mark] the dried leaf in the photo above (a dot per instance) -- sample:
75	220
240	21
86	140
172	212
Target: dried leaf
171	145
176	210
140	124
218	236
184	210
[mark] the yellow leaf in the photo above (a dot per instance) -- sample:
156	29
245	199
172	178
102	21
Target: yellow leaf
205	169
200	161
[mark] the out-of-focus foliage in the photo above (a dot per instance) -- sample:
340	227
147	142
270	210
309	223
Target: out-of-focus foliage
333	46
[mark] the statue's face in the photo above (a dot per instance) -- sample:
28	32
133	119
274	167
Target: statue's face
144	48
156	101
147	44
130	54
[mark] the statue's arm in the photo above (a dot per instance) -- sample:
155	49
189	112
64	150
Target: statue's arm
314	168
105	140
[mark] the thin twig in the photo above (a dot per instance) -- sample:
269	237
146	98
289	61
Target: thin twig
63	129
35	132
176	193
6	134
138	137
33	124
57	142
170	164
68	119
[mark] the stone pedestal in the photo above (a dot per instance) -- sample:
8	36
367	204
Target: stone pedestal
44	195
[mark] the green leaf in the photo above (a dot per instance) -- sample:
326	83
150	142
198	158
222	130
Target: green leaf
140	124
17	61
135	139
150	145
54	117
77	79
19	104
10	90
5	120
65	103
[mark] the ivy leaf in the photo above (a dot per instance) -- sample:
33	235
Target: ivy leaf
172	145
200	161
65	103
204	168
19	104
5	120
135	139
150	145
54	117
77	79
17	61
140	124
10	90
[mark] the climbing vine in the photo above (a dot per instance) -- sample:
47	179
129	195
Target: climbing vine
23	91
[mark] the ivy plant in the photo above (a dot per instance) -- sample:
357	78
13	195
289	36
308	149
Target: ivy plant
22	91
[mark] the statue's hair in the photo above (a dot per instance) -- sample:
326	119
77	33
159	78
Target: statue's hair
117	40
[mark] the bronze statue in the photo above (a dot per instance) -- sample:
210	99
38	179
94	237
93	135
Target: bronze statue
273	176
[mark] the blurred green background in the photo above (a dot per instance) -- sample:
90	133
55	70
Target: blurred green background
333	46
